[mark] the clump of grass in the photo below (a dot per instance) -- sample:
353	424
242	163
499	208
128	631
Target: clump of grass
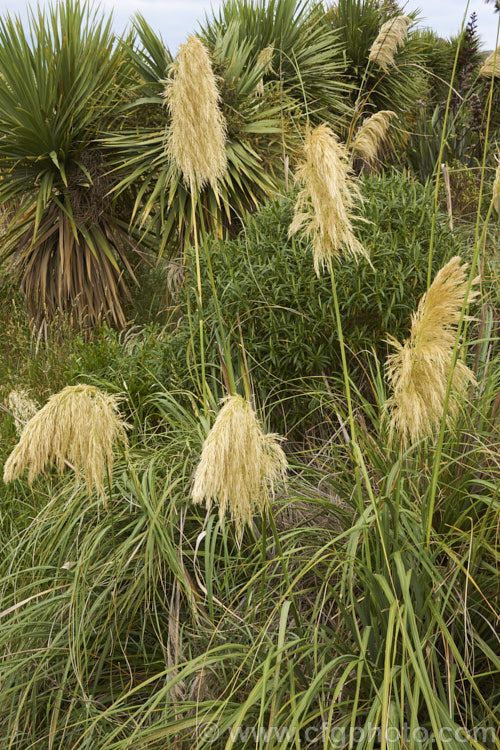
392	34
239	465
78	426
372	134
324	207
196	138
419	369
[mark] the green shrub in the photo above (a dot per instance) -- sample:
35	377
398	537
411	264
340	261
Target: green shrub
267	281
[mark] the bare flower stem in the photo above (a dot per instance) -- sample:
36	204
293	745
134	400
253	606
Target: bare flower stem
347	389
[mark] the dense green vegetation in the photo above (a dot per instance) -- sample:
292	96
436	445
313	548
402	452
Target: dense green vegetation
360	609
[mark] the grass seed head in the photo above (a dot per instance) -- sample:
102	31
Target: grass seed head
240	465
491	66
393	34
78	425
22	407
372	134
496	187
323	211
419	369
265	63
196	138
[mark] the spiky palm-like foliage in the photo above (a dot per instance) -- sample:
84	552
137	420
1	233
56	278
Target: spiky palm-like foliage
359	23
59	82
255	132
307	57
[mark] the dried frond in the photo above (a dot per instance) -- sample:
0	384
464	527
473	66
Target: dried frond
418	371
323	210
491	66
78	425
496	187
22	407
265	63
371	135
392	34
239	465
196	139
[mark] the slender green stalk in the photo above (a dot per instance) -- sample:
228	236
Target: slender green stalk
225	340
200	297
441	149
347	385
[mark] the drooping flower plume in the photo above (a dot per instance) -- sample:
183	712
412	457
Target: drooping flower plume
393	34
418	371
496	187
22	406
265	63
196	138
80	426
323	211
372	134
240	465
491	66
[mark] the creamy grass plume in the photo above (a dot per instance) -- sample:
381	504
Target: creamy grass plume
491	66
22	406
265	63
323	211
496	187
196	138
419	369
240	465
371	135
392	34
79	425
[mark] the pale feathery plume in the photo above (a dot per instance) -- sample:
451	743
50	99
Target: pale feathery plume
196	138
22	406
323	211
496	187
265	64
240	465
392	34
491	66
371	135
78	426
419	369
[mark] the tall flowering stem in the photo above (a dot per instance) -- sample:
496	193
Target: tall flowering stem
196	142
324	213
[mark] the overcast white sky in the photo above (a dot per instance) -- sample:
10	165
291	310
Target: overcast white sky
175	19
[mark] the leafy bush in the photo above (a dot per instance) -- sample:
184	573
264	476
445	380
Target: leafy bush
267	281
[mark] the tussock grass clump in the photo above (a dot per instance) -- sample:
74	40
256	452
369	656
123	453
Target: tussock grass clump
392	34
323	211
239	465
419	369
196	139
22	406
371	135
77	426
491	66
